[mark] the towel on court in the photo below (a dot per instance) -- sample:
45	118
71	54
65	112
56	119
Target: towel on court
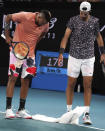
44	118
71	117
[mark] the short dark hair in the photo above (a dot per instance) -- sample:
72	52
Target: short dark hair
47	14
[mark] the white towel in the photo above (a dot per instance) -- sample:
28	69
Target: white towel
44	118
71	117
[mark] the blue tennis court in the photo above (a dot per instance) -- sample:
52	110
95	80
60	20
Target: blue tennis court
50	103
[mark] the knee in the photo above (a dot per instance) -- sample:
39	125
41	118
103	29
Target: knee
87	86
25	82
87	82
71	85
12	79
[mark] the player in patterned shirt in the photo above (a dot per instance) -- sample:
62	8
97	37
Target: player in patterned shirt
30	28
83	30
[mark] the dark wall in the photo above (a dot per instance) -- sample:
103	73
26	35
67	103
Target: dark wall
61	14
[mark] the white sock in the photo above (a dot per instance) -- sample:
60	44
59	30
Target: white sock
87	109
69	108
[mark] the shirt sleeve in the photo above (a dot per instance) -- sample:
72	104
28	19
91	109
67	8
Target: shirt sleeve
70	24
97	28
18	17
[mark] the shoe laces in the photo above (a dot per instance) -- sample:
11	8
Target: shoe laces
87	116
11	111
25	111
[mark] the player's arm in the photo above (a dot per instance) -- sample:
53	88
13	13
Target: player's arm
63	44
7	28
101	47
65	38
100	40
16	17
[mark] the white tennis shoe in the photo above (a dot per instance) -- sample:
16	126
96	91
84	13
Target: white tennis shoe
23	114
86	119
9	114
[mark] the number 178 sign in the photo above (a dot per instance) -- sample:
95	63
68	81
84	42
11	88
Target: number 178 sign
47	62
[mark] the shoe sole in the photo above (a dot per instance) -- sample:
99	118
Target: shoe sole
28	118
87	123
23	117
10	117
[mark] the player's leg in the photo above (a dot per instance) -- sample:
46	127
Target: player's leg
9	95
70	92
87	71
13	74
24	87
10	90
23	92
73	70
28	72
87	81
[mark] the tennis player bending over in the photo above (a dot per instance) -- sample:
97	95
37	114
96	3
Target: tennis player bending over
30	28
83	30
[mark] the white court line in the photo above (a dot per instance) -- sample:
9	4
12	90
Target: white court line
92	127
1	112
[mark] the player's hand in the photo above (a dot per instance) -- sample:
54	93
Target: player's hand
102	58
60	59
8	40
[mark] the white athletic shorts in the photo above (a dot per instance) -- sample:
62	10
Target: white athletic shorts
86	66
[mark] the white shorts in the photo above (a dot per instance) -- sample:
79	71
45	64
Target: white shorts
86	66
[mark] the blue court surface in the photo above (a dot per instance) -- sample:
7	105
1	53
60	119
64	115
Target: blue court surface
50	103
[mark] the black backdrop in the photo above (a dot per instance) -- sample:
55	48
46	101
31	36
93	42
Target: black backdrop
60	15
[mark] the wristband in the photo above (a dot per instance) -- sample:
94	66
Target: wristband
61	51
